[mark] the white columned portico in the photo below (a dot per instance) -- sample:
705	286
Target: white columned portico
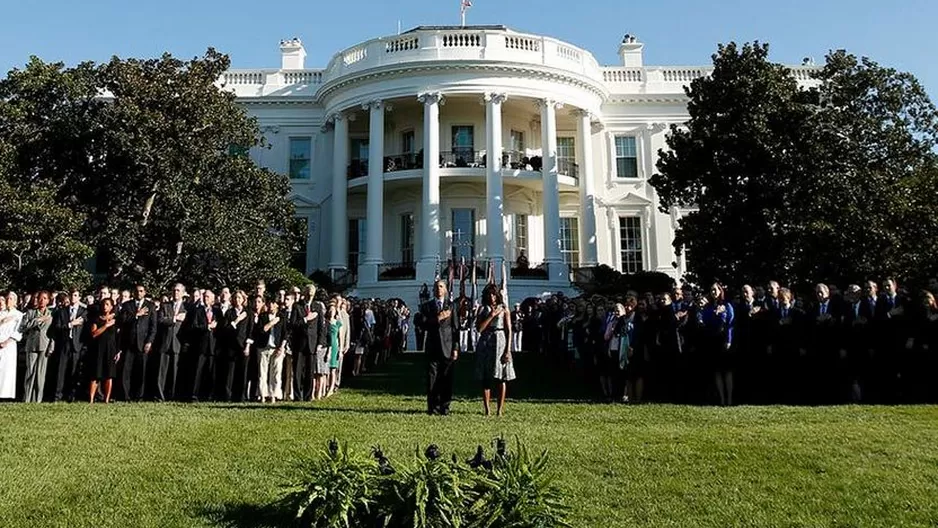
430	243
552	256
588	250
374	253
340	156
494	195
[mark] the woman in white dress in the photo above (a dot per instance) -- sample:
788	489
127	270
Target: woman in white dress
10	319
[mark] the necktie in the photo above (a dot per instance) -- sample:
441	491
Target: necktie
208	314
823	308
439	305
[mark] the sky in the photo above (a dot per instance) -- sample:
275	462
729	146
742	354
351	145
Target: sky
899	34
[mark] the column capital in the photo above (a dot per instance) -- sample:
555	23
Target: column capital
431	98
494	98
544	103
377	104
582	112
598	126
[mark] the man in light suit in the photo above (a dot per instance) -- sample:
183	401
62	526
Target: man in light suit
170	339
439	319
138	331
38	343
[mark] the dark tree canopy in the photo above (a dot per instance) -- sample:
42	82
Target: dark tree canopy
139	152
832	183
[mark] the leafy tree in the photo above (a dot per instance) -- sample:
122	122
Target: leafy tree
827	183
141	150
39	243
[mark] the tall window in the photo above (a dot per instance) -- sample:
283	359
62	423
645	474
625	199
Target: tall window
566	149
626	157
407	142
566	156
463	145
356	241
630	243
298	258
464	233
407	238
515	149
300	154
521	235
570	240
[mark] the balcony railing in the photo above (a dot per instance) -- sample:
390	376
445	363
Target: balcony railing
466	158
397	271
538	272
460	158
344	279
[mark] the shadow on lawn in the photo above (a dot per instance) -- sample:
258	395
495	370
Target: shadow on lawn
538	379
245	515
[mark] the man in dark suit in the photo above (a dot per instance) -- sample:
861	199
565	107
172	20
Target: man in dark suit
441	324
170	320
237	344
823	322
70	343
201	324
307	325
891	335
138	331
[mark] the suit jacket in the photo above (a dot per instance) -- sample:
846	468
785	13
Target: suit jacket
64	332
37	336
137	331
202	339
824	329
170	332
439	341
295	327
261	337
788	331
237	333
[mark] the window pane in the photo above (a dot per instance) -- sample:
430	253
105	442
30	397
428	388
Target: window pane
517	141
407	238
521	235
570	241
407	142
298	259
625	146
566	148
464	234
300	153
626	157
356	241
630	243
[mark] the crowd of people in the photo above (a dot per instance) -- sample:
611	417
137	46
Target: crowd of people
876	343
191	345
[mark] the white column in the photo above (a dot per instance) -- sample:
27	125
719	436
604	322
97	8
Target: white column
588	250
340	158
552	255
494	197
374	253
430	242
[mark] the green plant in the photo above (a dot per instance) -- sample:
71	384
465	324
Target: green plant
432	494
515	490
337	490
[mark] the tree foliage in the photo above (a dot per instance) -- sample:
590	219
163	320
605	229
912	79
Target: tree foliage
833	182
140	152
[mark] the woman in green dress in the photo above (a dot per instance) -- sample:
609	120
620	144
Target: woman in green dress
335	324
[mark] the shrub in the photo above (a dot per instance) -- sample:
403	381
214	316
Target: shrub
517	490
337	490
430	495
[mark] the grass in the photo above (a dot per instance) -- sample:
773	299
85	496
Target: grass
657	465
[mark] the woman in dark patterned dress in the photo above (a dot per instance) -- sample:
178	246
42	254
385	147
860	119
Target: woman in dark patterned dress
102	364
494	365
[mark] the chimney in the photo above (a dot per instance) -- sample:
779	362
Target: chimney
292	54
630	51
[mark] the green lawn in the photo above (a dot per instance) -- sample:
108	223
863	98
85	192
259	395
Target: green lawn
219	465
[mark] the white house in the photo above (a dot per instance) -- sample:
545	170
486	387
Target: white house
448	142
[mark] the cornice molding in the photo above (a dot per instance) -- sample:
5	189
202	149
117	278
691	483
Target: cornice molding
410	69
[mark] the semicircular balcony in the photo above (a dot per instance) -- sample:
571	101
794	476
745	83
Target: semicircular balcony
463	157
